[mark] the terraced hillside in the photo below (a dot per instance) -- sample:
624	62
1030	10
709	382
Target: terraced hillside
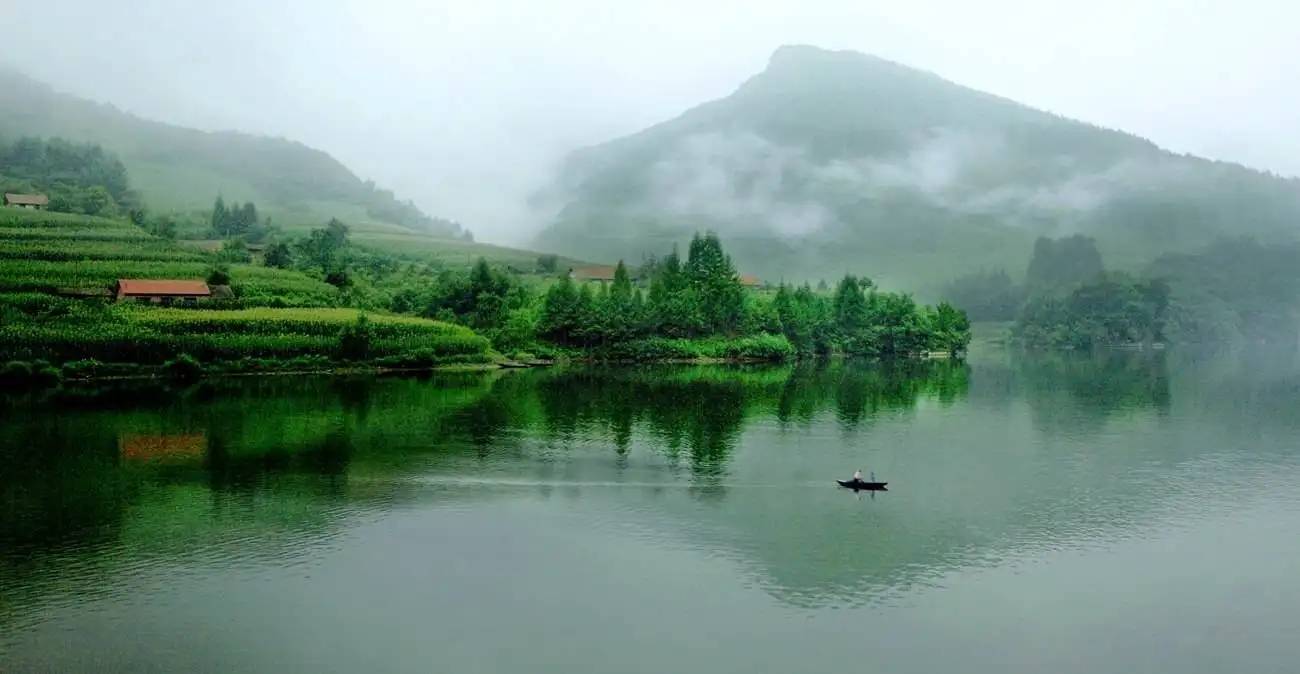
56	271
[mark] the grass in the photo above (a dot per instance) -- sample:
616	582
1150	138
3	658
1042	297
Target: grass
456	253
82	249
46	252
137	334
287	316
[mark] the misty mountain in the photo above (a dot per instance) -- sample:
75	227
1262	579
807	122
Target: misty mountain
176	168
828	162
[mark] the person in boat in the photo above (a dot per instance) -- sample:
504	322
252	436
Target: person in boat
857	475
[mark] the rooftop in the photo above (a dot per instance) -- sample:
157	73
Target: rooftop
163	287
26	199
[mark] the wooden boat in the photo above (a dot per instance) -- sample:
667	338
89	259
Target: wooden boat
858	485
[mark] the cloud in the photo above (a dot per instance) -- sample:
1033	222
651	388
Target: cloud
742	183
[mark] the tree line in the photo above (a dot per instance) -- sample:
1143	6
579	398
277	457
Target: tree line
1230	290
77	177
702	297
690	299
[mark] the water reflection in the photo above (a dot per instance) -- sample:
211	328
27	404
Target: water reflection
983	460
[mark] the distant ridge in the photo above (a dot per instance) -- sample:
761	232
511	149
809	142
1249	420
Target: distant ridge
834	161
183	169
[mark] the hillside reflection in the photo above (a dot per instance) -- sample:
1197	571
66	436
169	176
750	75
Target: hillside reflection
985	460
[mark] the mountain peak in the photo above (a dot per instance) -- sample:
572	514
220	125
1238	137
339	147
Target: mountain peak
840	160
808	59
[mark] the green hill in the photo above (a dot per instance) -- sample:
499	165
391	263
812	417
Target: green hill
56	270
829	162
176	168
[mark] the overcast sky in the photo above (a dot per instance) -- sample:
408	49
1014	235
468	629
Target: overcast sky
464	106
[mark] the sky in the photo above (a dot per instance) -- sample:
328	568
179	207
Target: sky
466	106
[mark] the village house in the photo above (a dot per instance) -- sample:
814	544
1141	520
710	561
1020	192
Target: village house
601	273
33	201
162	291
751	281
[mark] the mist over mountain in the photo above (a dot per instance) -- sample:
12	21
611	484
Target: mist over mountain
176	168
832	161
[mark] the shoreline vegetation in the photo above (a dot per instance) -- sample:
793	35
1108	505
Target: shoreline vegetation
320	302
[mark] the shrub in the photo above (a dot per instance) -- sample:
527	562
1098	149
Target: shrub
219	276
85	368
184	367
47	375
16	372
355	340
759	347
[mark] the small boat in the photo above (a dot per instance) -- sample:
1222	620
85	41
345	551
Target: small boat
859	485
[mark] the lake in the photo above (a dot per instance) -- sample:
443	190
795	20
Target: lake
1117	512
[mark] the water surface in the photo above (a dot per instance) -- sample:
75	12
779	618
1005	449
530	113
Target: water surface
1119	512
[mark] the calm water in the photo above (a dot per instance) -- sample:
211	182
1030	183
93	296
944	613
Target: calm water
1118	513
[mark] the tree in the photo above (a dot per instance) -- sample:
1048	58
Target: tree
949	329
713	278
850	305
96	200
322	247
278	255
248	219
547	264
219	275
559	320
162	226
355	339
234	250
219	217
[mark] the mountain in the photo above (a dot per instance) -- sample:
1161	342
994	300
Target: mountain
835	161
176	168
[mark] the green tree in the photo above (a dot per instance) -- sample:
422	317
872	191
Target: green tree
219	275
949	329
278	255
713	277
219	217
560	315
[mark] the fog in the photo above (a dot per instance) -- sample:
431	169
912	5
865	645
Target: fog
466	107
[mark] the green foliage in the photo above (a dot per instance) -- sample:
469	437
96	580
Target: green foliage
179	169
1113	310
36	374
704	299
235	251
44	252
87	368
949	329
278	256
138	334
484	299
16	372
322	247
236	221
548	264
77	177
183	367
717	288
219	276
1233	290
355	340
78	249
773	348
